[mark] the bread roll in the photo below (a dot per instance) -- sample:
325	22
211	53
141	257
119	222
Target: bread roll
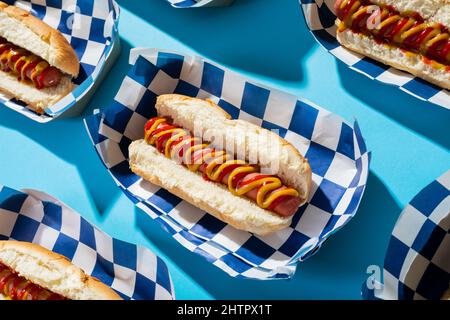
250	142
53	272
24	30
421	64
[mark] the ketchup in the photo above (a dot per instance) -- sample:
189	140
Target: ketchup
392	31
17	287
215	165
228	170
37	70
347	9
242	184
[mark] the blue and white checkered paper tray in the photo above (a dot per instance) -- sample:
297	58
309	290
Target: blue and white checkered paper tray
91	28
320	18
199	3
133	272
417	262
336	152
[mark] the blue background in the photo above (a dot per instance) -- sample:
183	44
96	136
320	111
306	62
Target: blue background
266	40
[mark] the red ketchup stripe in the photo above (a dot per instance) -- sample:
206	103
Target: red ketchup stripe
398	27
347	9
14	286
390	32
197	157
21	293
227	170
4	282
46	78
242	183
11	282
385	32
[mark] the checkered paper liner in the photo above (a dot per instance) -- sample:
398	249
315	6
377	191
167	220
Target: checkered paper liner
320	18
91	27
198	3
336	152
132	271
417	262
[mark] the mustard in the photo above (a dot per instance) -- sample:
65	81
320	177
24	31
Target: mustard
217	164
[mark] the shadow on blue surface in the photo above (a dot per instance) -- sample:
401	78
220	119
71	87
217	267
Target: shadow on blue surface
427	119
345	255
246	35
65	139
277	50
111	84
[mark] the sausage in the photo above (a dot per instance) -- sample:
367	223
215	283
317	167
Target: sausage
408	31
15	287
286	207
337	8
14	59
50	77
266	190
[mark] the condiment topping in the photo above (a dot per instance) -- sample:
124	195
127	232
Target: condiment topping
241	178
15	287
407	30
27	66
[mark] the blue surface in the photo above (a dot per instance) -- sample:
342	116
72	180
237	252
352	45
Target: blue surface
268	42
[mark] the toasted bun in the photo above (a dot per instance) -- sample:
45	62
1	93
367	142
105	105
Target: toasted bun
395	57
37	99
211	197
204	119
53	272
26	31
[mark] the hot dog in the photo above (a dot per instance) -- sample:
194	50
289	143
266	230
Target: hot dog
239	177
31	272
37	63
410	35
192	149
15	287
27	66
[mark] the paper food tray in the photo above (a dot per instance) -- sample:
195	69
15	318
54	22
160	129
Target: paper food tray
335	150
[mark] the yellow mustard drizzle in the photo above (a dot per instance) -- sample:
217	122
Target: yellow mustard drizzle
217	162
411	28
28	60
8	54
41	66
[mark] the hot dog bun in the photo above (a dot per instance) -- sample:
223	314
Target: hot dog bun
394	57
432	10
206	119
53	272
36	99
28	32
